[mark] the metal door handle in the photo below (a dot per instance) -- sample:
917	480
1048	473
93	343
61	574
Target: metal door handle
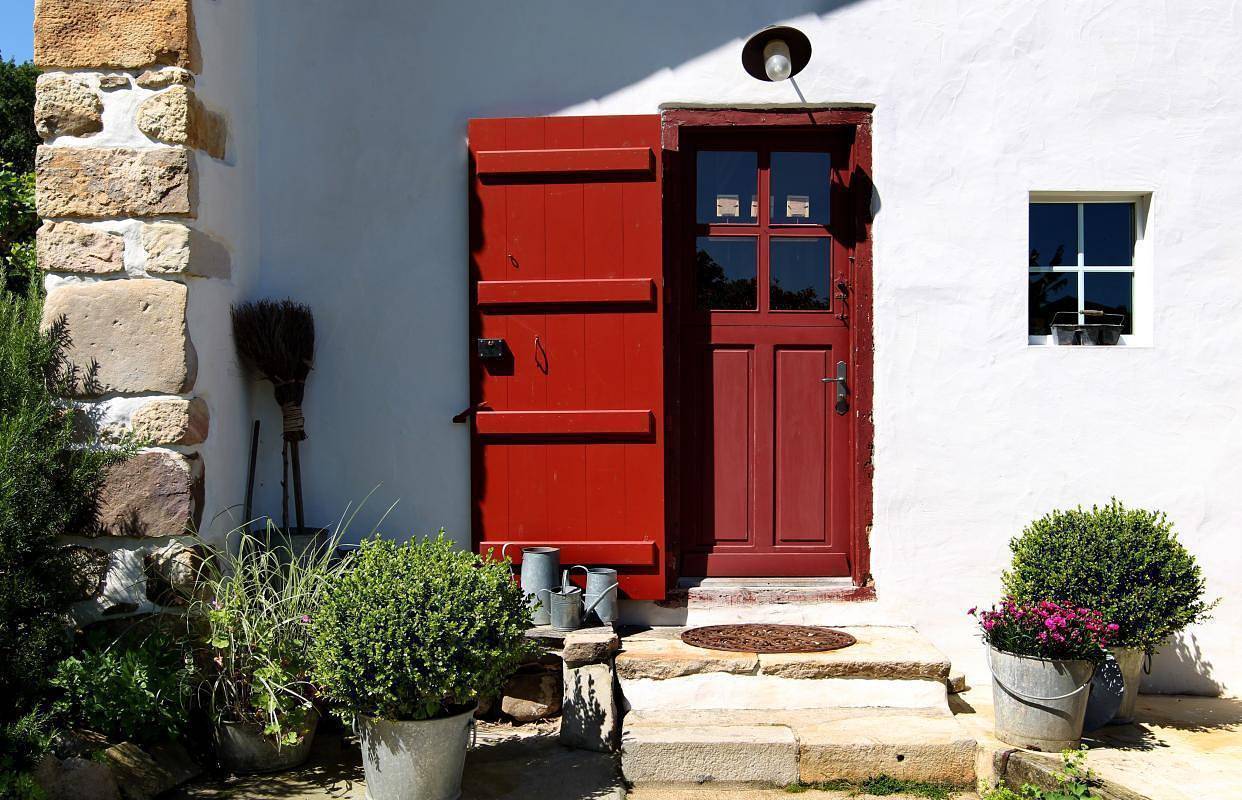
843	389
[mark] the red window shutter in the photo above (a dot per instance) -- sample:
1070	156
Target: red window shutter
566	261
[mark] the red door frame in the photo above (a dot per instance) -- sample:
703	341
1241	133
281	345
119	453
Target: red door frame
856	123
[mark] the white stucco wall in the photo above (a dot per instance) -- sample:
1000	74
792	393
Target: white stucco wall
361	209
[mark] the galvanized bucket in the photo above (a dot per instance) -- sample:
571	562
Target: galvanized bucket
566	607
415	760
243	749
600	596
1039	702
1132	661
541	569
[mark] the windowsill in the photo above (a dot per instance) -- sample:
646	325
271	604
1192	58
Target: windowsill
1048	343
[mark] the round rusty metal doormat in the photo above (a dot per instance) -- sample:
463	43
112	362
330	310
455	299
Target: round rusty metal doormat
756	638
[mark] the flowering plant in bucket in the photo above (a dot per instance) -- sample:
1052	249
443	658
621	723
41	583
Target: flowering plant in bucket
1046	629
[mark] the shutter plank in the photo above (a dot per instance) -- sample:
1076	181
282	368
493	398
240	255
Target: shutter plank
570	292
569	161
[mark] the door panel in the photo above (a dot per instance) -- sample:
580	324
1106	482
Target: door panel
802	445
732	416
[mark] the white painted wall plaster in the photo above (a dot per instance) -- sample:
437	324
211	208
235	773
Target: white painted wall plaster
361	115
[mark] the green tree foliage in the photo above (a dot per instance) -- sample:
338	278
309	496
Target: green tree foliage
18	138
417	630
17	228
1125	563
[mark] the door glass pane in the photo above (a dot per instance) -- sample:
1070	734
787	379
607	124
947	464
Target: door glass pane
1054	234
1112	293
725	271
800	269
800	183
1050	292
1108	234
727	188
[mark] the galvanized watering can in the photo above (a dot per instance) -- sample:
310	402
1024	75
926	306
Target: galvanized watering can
567	605
540	566
601	593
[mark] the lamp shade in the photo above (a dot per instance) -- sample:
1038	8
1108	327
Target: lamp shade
753	56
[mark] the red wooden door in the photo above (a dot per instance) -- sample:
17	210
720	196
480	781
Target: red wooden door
765	321
566	268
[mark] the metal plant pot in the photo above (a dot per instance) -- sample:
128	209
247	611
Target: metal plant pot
1130	661
1039	702
415	760
243	749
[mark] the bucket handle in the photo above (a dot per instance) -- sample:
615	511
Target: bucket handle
1025	696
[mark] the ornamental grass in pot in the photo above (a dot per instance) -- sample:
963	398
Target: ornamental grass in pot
1125	563
406	643
1042	656
251	621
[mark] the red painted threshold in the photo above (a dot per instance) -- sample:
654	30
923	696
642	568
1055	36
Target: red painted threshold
623	554
605	290
563	423
533	162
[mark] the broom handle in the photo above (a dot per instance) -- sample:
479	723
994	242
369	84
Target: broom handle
284	487
254	451
297	487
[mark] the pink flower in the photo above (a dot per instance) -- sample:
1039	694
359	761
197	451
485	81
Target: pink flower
1112	627
305	619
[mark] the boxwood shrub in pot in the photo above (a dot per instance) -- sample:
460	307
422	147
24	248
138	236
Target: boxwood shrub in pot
1126	563
405	643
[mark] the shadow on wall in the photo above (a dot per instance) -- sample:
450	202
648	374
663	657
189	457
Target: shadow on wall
1181	668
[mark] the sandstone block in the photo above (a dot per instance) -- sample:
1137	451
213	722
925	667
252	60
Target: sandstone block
753	754
111	182
589	718
661	659
176	116
134	329
66	106
75	779
174	249
143	773
110	82
156	493
173	573
88	570
161	78
171	420
531	696
73	247
125	34
590	646
912	747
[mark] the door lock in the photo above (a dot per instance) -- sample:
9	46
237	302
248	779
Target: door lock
843	389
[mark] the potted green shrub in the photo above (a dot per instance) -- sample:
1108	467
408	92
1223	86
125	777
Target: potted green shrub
1127	564
405	644
251	620
1042	656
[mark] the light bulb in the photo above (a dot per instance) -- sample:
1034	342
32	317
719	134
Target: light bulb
776	60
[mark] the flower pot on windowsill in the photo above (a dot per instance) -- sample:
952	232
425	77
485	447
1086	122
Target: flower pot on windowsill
1039	702
243	749
1104	330
415	759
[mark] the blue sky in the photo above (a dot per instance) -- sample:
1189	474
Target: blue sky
16	24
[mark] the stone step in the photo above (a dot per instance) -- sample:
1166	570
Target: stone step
728	691
779	748
881	652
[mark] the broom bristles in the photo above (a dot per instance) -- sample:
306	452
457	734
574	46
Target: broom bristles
276	338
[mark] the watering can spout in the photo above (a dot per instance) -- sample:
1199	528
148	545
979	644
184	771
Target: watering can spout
600	597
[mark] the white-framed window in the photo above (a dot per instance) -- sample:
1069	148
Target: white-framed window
1089	262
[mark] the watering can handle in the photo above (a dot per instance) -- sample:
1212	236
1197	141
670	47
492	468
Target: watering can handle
599	597
503	548
1026	696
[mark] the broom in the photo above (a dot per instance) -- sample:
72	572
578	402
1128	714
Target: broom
276	338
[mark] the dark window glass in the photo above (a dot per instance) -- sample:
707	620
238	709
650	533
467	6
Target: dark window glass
800	269
1112	293
725	269
800	183
1108	234
1050	292
1054	234
727	188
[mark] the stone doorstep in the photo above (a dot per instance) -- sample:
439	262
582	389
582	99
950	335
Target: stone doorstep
760	747
894	652
725	691
718	592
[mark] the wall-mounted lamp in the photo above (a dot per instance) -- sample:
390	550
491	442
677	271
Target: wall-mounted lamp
776	53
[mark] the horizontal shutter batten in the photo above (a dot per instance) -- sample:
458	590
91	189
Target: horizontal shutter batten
621	422
548	292
560	162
